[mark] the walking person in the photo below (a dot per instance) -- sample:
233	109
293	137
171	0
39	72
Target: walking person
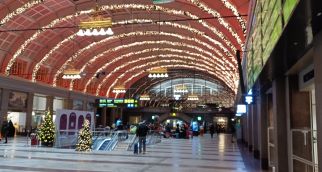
5	130
233	133
212	130
142	132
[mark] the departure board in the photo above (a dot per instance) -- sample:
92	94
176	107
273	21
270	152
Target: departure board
266	29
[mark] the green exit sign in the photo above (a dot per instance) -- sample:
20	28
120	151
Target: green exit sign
161	1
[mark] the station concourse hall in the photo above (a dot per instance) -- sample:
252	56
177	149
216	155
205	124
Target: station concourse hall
161	85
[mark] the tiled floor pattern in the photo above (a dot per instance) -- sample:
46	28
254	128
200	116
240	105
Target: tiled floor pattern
200	154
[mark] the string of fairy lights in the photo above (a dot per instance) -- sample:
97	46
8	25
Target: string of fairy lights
93	59
135	6
149	42
188	57
37	66
114	7
184	64
125	56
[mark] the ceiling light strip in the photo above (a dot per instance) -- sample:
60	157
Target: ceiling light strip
180	44
18	11
131	54
184	65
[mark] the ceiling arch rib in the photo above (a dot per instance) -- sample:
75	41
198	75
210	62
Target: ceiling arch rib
180	44
139	7
18	11
131	54
143	72
43	60
145	83
163	56
148	33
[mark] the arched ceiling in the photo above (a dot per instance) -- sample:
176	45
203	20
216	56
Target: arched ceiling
195	35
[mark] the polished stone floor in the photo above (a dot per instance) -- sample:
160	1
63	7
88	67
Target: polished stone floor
199	154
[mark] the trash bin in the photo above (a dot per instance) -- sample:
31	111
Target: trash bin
33	138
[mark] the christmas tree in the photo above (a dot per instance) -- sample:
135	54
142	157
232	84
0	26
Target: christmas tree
46	132
84	138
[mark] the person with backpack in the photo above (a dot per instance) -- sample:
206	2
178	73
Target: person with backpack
141	133
5	130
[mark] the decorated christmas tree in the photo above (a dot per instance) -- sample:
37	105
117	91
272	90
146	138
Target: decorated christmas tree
84	138
46	132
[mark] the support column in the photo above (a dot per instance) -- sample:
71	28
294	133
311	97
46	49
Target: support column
280	125
50	104
262	111
255	131
245	130
250	127
30	102
318	93
68	103
4	105
103	122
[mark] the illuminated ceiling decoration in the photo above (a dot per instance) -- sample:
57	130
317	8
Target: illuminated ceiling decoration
160	72
179	44
177	64
96	25
180	89
144	97
115	7
119	89
106	65
19	11
224	59
185	59
145	34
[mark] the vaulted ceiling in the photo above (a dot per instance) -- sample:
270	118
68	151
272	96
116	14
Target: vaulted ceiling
38	41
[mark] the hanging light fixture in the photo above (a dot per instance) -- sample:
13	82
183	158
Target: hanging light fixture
193	97
160	72
71	73
96	25
119	89
144	97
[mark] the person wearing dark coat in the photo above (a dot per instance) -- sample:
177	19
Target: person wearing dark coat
11	129
142	132
212	130
5	130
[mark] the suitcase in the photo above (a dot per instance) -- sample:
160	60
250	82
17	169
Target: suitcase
136	148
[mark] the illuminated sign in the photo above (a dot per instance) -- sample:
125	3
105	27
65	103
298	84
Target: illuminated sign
249	99
118	101
241	109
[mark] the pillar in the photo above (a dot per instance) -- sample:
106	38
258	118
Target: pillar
318	92
280	125
4	105
255	131
50	104
68	103
250	127
30	102
104	115
262	111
